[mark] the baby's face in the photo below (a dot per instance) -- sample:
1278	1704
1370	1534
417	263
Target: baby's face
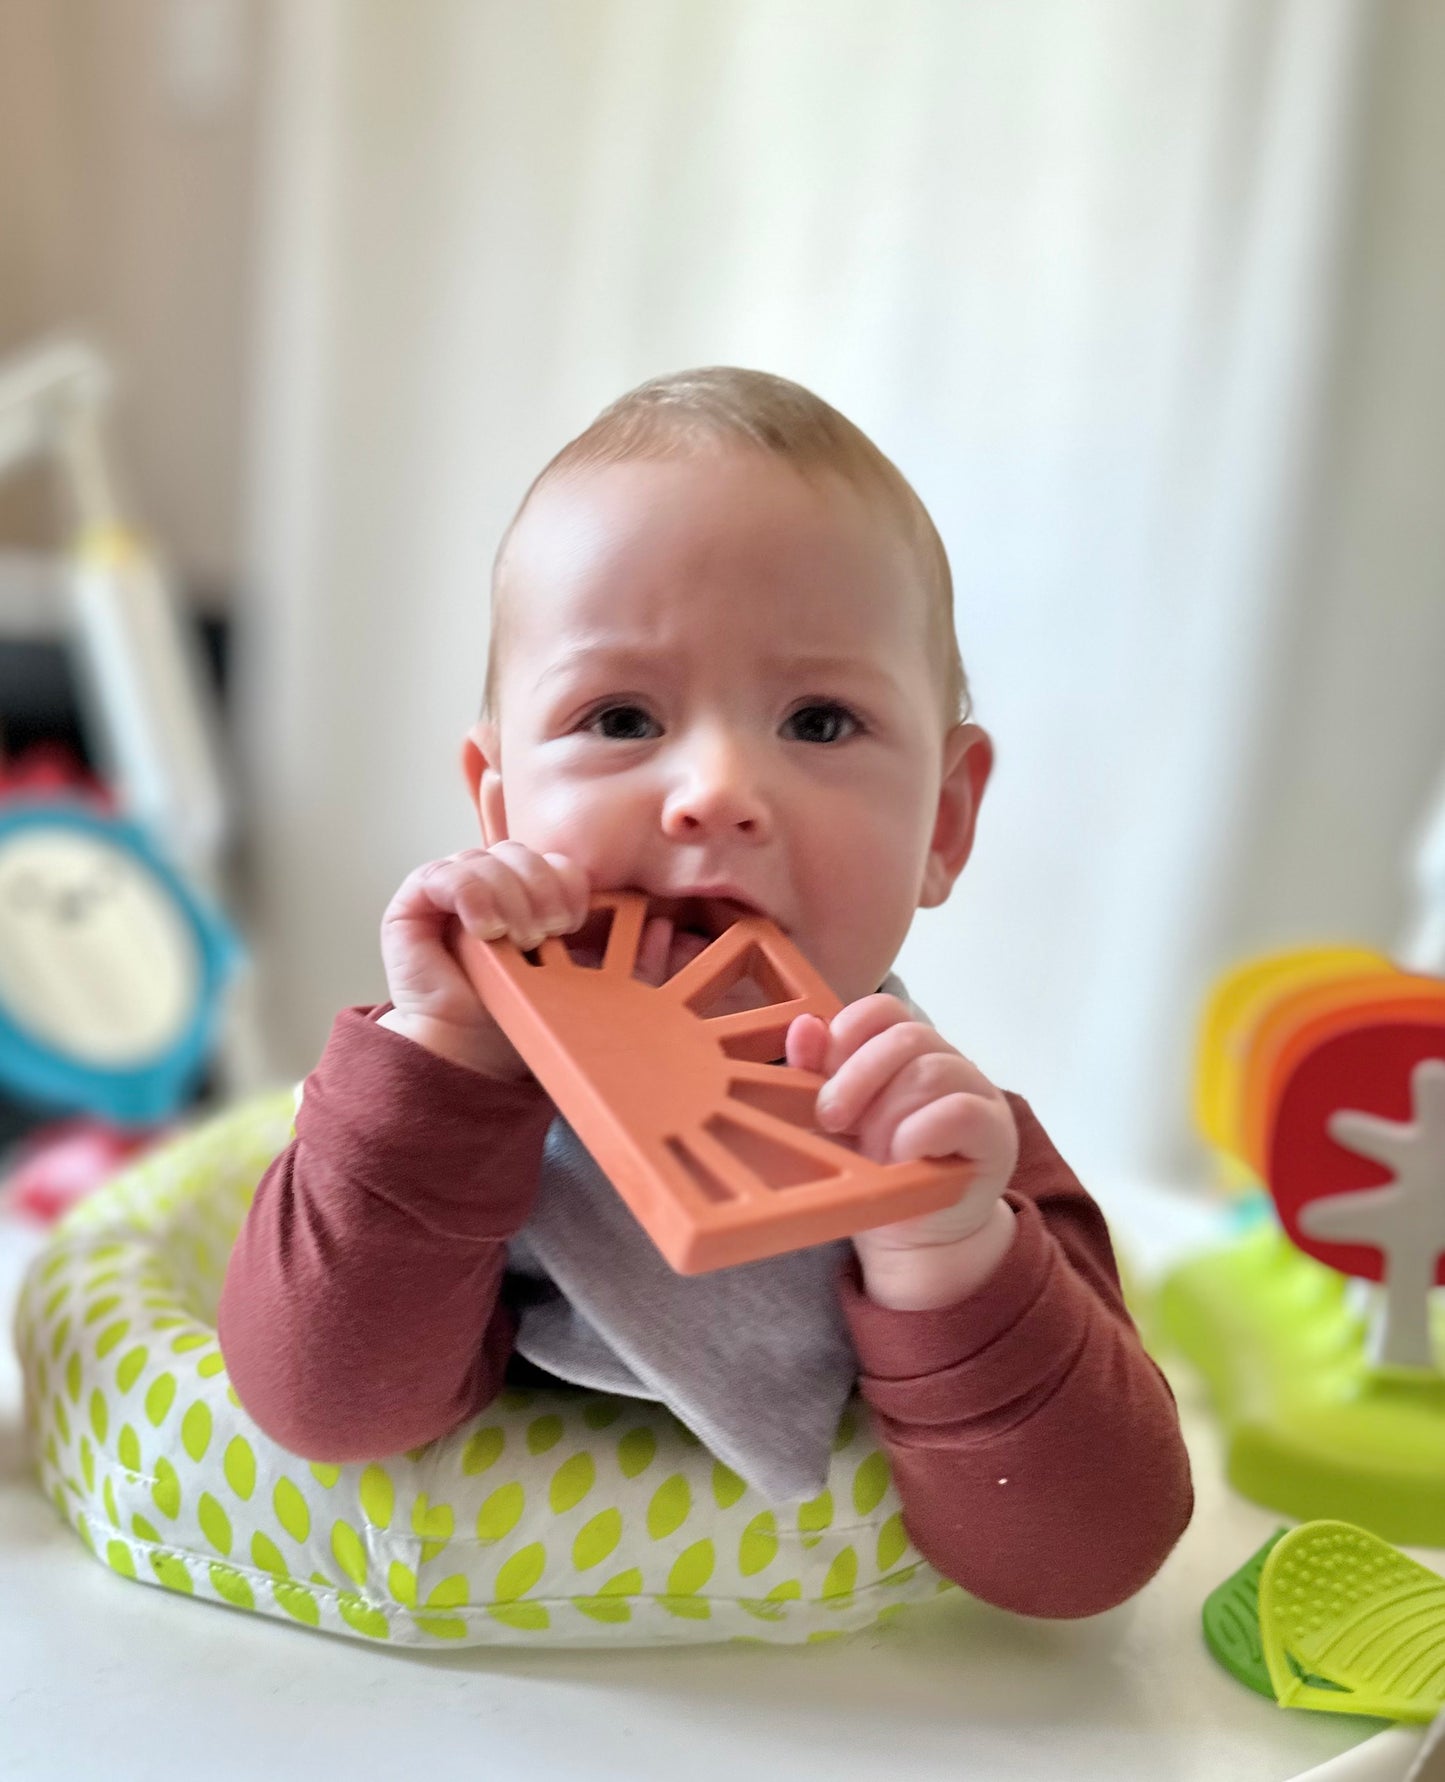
717	675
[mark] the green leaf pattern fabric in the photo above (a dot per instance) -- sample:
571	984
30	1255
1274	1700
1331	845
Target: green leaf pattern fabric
555	1517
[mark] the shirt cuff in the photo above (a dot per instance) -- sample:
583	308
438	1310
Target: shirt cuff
446	1142
1022	1327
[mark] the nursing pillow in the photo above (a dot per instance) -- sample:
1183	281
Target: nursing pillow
556	1516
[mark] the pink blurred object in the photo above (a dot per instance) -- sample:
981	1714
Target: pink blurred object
46	769
58	1165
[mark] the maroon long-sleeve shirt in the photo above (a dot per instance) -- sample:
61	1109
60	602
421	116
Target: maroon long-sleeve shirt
1035	1446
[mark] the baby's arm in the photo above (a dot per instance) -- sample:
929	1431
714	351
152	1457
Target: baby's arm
1035	1445
360	1314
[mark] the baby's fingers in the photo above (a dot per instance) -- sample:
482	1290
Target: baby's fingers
491	901
873	1069
959	1125
858	1022
553	891
572	893
503	890
484	893
806	1046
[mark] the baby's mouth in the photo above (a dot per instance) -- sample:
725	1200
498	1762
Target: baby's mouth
679	929
707	916
666	948
676	931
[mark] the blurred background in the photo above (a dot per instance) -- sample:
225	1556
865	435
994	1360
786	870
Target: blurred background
1145	296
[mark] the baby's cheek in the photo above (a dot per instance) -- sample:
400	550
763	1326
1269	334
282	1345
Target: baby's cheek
867	897
855	974
589	821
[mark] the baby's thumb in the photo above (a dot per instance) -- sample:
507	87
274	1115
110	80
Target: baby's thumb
806	1047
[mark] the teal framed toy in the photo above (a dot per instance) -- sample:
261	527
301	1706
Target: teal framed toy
111	967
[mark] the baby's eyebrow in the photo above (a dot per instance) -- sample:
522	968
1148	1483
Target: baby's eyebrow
590	653
596	654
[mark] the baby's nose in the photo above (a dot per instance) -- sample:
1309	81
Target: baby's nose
719	790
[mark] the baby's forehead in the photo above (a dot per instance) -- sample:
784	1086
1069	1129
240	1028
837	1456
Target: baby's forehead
668	533
735	563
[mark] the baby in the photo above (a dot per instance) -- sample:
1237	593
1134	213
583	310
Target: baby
723	671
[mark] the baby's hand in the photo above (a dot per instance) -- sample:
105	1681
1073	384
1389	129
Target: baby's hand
502	890
903	1092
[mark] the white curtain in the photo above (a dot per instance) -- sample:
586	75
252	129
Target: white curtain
1075	264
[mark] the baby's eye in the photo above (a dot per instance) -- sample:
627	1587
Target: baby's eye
818	722
619	723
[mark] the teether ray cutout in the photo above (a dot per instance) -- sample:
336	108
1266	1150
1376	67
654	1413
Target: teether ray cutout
1350	1625
711	1145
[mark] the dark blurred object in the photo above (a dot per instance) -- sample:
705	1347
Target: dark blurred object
37	700
38	695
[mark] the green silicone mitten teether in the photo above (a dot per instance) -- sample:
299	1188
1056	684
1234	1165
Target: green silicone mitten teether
1231	1622
1350	1625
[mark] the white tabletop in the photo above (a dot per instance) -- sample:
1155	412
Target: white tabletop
102	1676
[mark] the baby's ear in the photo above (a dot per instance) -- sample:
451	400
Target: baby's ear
967	763
481	769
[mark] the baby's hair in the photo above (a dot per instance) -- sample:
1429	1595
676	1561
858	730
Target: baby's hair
688	411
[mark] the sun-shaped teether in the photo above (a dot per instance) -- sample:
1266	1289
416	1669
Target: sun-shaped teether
676	1095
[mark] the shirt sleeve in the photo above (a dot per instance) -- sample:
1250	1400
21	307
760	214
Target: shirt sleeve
360	1313
1035	1445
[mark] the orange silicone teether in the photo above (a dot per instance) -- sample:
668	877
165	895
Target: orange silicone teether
711	1146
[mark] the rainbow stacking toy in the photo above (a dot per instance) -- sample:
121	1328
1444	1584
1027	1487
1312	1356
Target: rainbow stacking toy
1322	1075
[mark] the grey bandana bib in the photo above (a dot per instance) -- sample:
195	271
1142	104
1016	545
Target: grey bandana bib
756	1360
